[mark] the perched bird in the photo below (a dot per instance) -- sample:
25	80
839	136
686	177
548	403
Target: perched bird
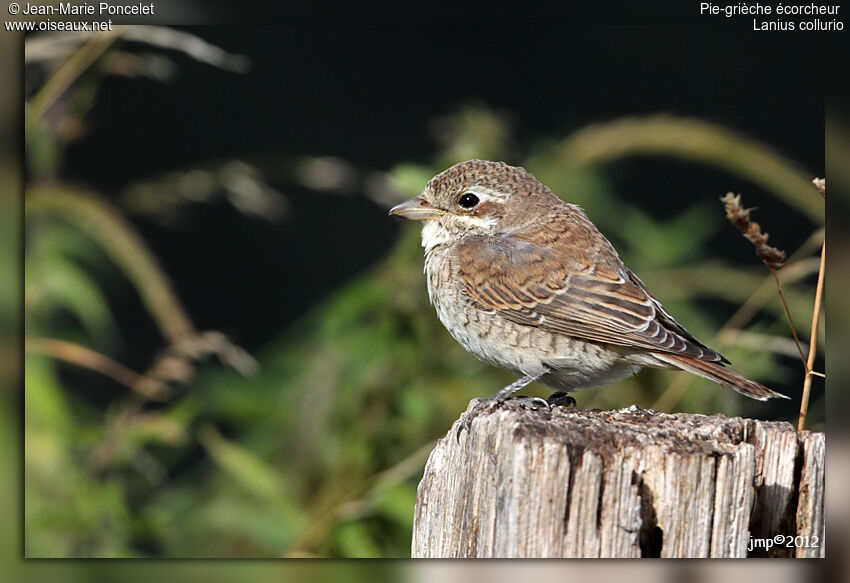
524	281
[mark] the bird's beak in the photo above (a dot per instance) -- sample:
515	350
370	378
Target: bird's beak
416	209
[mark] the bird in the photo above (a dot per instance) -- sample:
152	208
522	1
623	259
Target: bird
526	282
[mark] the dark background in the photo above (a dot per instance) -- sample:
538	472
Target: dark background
367	93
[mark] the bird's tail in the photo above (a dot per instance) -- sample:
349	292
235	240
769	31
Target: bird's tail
714	371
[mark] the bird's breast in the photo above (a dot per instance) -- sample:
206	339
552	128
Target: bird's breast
485	334
506	344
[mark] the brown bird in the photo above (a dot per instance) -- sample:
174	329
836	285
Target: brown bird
524	281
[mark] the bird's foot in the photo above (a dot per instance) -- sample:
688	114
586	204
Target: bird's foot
532	403
496	400
528	402
562	399
466	421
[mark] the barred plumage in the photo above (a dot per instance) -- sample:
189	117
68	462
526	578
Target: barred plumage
525	281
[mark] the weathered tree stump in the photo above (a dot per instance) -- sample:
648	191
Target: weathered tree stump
528	482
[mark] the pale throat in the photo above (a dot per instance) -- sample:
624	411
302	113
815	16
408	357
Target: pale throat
435	232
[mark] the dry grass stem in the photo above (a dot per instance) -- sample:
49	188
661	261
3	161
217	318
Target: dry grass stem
106	225
66	74
49	47
820	184
176	363
96	217
88	358
810	363
772	257
788	315
740	218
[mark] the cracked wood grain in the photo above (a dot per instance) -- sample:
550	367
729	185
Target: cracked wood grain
526	482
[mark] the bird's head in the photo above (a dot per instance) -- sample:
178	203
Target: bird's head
476	198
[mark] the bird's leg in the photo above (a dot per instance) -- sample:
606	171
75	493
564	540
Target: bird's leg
497	399
512	388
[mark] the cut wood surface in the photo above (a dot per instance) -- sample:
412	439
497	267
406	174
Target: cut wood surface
529	482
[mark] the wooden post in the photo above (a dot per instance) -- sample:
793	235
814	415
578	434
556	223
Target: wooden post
527	482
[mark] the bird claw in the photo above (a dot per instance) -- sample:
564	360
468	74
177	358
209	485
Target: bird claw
499	398
532	402
562	399
466	421
492	403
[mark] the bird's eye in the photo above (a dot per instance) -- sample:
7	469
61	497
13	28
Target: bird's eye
468	200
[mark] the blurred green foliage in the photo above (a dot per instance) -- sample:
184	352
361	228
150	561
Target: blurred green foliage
320	452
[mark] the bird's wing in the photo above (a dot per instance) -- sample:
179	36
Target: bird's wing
571	283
